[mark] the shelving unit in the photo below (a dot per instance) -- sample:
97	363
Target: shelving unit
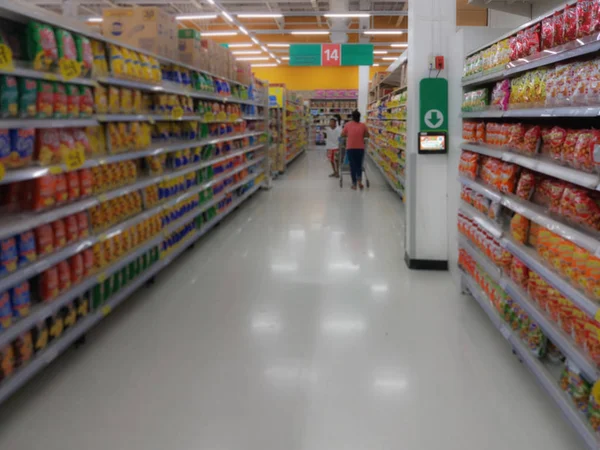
295	138
519	239
322	110
386	120
144	205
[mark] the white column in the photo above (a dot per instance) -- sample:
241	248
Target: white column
431	27
363	89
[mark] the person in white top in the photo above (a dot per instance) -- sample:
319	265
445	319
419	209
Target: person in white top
332	139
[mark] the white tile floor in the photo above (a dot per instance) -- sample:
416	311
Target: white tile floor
294	326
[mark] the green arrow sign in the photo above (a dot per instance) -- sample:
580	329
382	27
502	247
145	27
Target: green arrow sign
433	104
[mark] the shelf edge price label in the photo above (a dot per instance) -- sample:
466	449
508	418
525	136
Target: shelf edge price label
74	159
69	68
177	113
6	58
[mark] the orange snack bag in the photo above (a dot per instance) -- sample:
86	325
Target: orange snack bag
60	234
592	277
73	189
76	266
519	228
508	177
568	150
60	189
49	284
83	225
71	228
88	262
85	182
468	164
44	239
43	192
64	276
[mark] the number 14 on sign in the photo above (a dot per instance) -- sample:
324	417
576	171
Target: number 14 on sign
331	55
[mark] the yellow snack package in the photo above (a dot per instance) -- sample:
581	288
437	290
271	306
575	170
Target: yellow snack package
155	68
126	97
99	261
124	135
137	105
117	63
145	67
137	66
134	133
146	103
128	63
100	99
99	54
162	101
116	144
114	104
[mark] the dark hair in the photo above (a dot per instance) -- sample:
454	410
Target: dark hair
338	118
356	115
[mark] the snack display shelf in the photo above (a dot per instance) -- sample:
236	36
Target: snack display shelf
539	215
17	223
492	269
253	117
560	111
293	157
157	149
47	123
159	118
395	188
542	375
45	357
46	262
547	167
23	69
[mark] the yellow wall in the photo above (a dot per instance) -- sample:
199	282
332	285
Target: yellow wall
308	78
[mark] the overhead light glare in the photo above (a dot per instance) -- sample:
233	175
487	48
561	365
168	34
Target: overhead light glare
278	45
220	33
389	58
246	52
255	40
243	30
310	32
239	45
196	16
375	65
253	58
264	65
379	52
383	32
348	15
212	2
285	58
95	19
264	48
259	16
399	45
227	16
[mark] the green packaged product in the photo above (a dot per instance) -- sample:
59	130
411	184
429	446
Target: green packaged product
66	45
41	46
96	296
27	97
9	96
84	53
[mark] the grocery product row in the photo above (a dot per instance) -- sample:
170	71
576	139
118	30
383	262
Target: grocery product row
35	340
391	171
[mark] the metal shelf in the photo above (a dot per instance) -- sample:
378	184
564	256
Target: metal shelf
541	374
385	176
562	111
482	220
24	69
47	123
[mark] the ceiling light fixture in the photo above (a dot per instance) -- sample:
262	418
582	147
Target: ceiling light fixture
243	30
196	16
259	16
278	61
278	45
227	16
264	48
95	19
253	58
239	45
264	65
379	52
272	55
212	2
348	15
220	33
246	52
375	65
254	40
383	32
389	58
309	32
399	45
285	58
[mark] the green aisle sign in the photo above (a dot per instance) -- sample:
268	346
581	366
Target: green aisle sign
433	104
331	54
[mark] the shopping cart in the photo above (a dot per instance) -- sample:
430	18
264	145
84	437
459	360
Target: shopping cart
344	166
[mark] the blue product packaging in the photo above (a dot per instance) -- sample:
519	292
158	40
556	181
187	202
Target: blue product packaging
5	311
20	299
22	143
4	145
8	256
26	248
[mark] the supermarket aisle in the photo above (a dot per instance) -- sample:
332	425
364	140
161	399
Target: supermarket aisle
295	326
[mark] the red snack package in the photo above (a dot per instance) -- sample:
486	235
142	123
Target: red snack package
44	239
73	186
64	276
577	205
60	234
558	21
514	48
516	135
47	146
60	101
81	141
83	225
73	100
43	192
519	272
49	284
571	23
549	193
583	155
60	189
508	177
587	17
547	33
76	265
568	150
532	41
531	140
67	141
480	132
555	141
88	262
72	228
85	182
86	101
469	131
526	185
468	164
45	99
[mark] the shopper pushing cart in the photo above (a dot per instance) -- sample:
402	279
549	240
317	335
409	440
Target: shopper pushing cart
355	133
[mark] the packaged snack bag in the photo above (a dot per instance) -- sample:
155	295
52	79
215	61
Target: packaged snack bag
65	45
39	334
587	16
60	101
101	99
76	266
88	262
44	239
48	146
73	189
468	164
559	28
526	185
41	45
8	256
45	99
20	300
555	141
22	144
7	361
99	52
82	224
508	177
60	234
84	54
579	389
69	315
55	326
60	189
519	272
114	104
81	141
27	97
49	284
578	206
86	101
126	98
594	407
568	150
85	182
571	23
547	33
9	96
531	140
519	228
71	228
23	348
5	311
26	248
516	135
81	306
536	340
5	147
73	101
64	276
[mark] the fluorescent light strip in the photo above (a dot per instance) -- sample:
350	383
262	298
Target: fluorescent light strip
278	45
243	30
285	58
253	58
272	55
383	32
389	58
246	52
212	2
259	16
399	45
349	15
310	32
264	65
375	65
227	16
264	48
196	16
255	40
239	45
220	33
379	52
94	19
